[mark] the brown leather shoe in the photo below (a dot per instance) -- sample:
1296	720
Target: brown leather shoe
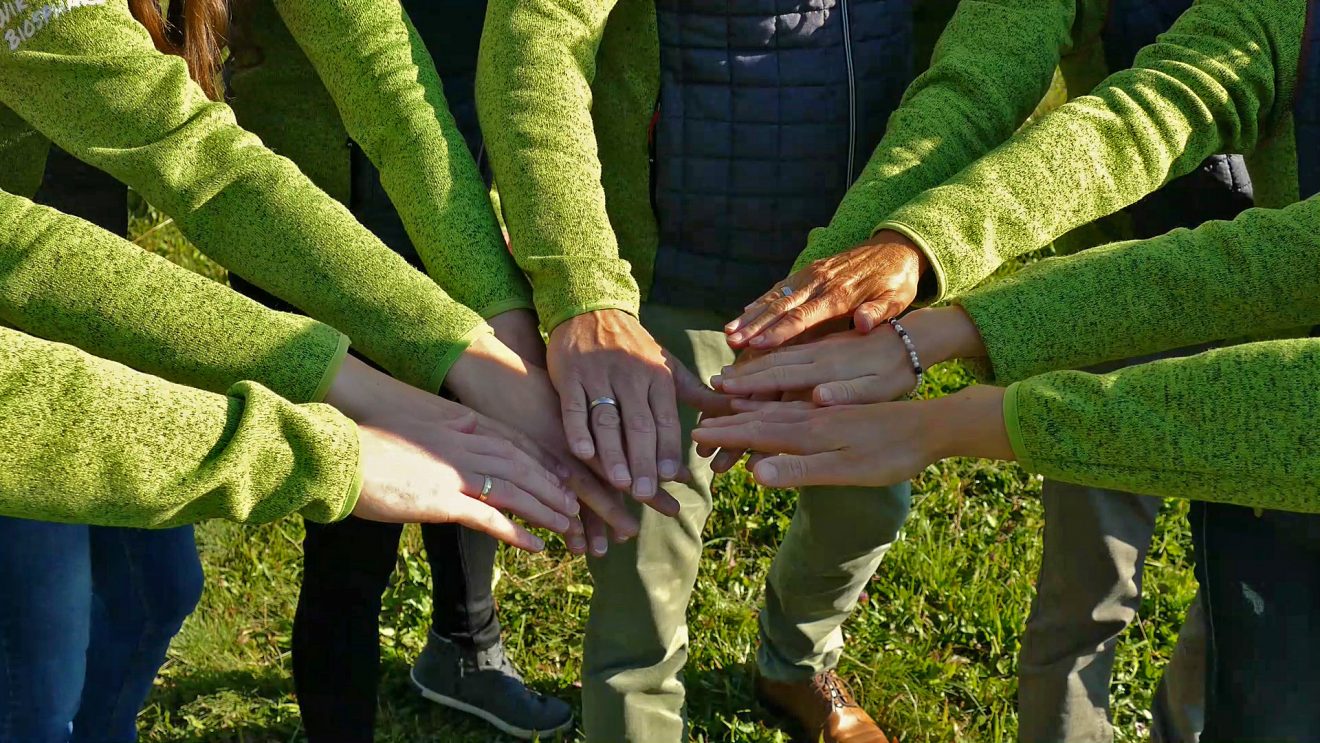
823	707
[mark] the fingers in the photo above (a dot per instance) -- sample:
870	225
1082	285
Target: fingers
750	406
875	313
607	431
799	320
598	542
503	459
828	468
639	431
603	501
668	430
763	313
782	377
725	459
506	496
577	428
750	363
492	427
691	392
859	391
476	515
576	538
758	434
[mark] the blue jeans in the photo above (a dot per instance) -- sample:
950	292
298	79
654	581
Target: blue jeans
86	615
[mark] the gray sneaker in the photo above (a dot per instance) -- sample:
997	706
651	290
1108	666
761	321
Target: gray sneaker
485	683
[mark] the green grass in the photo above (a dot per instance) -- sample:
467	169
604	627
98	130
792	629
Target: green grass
931	649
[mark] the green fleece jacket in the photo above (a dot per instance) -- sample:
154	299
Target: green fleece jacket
1232	425
566	90
1220	80
85	75
304	92
54	274
85	440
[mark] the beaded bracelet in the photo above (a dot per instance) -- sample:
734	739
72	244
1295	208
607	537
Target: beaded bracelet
912	353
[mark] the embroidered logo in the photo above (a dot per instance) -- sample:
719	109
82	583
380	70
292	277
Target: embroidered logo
23	19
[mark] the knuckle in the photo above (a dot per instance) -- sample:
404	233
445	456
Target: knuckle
640	423
608	417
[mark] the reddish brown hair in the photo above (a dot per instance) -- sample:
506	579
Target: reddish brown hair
195	30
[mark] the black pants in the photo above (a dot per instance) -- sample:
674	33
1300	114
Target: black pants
336	642
1260	587
347	565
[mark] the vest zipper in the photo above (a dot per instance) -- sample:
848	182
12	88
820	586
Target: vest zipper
852	93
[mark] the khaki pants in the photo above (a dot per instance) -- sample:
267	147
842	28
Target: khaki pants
1088	592
637	639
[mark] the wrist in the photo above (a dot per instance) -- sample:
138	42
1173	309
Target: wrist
482	371
969	423
357	390
943	333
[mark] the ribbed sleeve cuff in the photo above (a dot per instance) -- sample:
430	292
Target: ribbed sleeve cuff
1014	427
331	370
354	487
451	355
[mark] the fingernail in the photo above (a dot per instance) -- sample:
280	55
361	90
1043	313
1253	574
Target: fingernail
736	337
571	504
759	341
716	381
577	544
599	545
620	475
538	544
767	472
582	449
825	394
731	326
645	488
563	471
669	469
562	523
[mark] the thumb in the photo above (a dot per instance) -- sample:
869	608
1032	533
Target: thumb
871	315
690	391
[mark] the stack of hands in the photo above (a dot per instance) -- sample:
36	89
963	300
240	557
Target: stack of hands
815	397
561	435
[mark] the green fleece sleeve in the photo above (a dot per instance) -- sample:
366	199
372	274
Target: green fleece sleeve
991	67
534	97
1235	425
66	280
1255	274
392	103
86	440
1217	81
89	78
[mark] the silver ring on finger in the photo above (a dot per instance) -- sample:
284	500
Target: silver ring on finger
486	486
787	291
603	400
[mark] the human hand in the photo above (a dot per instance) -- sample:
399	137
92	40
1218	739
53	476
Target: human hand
520	332
637	442
855	368
496	382
379	402
872	282
862	445
405	483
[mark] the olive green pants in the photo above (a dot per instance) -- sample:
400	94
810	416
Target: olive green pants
637	637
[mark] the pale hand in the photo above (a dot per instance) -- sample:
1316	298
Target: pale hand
403	483
871	283
862	445
465	441
496	382
854	368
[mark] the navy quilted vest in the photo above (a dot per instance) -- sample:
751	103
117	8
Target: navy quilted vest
1221	187
1306	107
768	110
